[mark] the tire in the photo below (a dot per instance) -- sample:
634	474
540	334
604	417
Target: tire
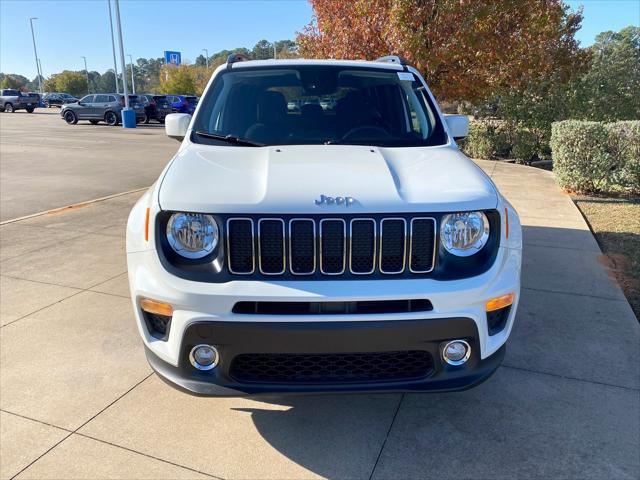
8	107
30	109
93	122
70	117
111	119
47	105
161	121
145	119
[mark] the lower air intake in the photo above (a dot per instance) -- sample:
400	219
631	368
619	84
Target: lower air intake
331	368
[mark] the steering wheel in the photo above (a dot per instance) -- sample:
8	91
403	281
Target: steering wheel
366	128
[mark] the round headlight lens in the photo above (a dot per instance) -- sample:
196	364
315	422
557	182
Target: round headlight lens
192	235
463	234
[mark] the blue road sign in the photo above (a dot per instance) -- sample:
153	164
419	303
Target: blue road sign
172	58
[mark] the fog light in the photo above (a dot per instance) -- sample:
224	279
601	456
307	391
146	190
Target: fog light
456	352
204	357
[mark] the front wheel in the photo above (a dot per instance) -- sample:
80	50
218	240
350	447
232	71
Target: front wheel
70	117
111	119
8	107
47	105
30	109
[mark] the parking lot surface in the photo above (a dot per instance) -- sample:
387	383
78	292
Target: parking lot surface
45	163
79	400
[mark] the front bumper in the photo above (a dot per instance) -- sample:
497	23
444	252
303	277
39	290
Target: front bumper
304	339
206	308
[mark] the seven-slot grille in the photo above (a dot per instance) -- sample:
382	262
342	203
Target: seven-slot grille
330	246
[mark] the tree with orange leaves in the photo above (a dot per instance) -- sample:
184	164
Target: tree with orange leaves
466	49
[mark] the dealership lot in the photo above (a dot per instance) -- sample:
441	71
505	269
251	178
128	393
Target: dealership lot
79	401
45	163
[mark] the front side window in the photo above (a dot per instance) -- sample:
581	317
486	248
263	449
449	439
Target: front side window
87	99
310	104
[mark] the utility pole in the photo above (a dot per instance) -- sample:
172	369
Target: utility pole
207	56
127	113
86	72
113	47
35	52
133	82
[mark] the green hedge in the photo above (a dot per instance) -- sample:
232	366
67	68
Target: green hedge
492	139
597	157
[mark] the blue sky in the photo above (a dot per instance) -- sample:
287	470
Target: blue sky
67	29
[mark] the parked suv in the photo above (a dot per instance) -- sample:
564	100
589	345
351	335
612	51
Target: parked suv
99	107
183	103
12	100
156	107
346	249
55	99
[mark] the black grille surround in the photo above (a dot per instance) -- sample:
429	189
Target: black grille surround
332	368
295	249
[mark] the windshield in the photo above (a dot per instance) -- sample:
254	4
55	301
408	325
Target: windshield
295	105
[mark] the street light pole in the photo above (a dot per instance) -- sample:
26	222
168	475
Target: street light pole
127	112
35	52
113	47
207	56
86	72
41	74
133	82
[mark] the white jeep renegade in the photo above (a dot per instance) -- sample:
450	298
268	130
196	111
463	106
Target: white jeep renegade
319	230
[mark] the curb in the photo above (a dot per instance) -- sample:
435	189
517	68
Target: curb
73	206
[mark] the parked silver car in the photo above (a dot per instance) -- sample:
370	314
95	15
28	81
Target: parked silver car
101	107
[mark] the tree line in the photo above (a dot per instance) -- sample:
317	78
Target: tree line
150	74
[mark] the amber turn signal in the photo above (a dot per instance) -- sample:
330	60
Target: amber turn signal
156	307
506	222
499	302
146	226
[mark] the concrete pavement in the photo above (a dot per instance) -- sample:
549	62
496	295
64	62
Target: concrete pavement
79	401
46	163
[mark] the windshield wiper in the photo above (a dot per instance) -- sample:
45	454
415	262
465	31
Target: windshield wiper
230	139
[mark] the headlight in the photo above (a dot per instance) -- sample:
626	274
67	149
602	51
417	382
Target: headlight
192	235
463	234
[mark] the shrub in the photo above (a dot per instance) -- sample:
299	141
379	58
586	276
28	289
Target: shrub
525	145
478	142
626	145
487	139
591	157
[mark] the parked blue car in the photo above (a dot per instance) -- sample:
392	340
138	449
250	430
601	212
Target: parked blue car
183	103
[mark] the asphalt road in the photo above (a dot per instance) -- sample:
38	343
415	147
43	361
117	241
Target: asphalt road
45	163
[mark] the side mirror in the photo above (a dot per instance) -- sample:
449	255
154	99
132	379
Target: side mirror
176	125
458	126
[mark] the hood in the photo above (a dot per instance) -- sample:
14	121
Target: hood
288	179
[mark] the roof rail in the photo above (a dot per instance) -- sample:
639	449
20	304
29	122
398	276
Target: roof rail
236	57
393	59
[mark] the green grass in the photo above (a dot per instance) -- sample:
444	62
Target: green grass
616	224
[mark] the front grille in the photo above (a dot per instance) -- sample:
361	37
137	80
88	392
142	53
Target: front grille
333	368
331	246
